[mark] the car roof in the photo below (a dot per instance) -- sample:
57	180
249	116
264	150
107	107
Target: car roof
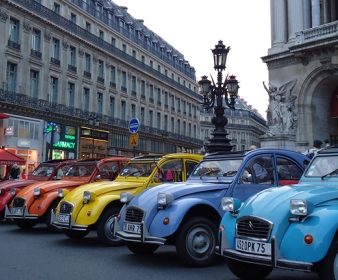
329	150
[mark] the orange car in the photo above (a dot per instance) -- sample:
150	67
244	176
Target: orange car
33	203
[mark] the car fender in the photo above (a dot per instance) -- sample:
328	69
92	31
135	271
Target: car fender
95	209
322	224
41	204
228	223
176	212
5	200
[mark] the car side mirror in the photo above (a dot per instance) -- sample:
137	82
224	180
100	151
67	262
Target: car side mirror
97	177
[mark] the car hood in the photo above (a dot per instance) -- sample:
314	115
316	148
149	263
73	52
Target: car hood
8	185
149	196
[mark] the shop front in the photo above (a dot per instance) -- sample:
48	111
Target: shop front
93	143
65	147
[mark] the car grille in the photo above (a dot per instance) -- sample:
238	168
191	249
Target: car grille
18	202
253	227
66	208
134	214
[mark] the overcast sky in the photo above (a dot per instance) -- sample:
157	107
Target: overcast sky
194	27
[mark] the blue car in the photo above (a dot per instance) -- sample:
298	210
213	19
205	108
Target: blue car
294	227
187	214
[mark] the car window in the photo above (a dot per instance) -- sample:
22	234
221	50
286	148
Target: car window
259	171
288	171
323	165
214	168
43	170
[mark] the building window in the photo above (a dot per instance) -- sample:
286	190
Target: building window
99	102
124	81
143	59
159	96
189	129
151	118
85	104
72	57
166	99
14	30
113	41
143	88
151	64
57	8
36	40
142	121
158	121
172	125
88	26
101	69
179	126
113	76
56	49
166	72
173	76
73	18
159	68
133	111
34	90
172	102
133	84
53	97
11	76
101	34
124	48
166	122
195	132
87	62
179	105
71	94
184	128
123	110
151	93
112	106
134	54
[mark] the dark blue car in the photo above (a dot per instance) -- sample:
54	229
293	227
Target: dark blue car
188	214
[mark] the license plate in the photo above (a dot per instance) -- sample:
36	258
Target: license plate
254	247
16	211
63	218
134	228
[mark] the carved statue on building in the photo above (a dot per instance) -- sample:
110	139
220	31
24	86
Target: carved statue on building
281	113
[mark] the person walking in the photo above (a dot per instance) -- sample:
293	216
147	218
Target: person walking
14	174
317	144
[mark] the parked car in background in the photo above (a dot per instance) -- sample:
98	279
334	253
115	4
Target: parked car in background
187	215
294	227
45	171
94	206
34	203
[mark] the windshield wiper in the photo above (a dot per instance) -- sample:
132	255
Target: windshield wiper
334	171
208	172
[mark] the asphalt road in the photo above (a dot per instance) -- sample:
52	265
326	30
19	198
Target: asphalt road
38	254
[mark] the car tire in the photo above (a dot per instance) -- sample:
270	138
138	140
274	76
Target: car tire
2	215
25	224
75	234
141	248
50	226
105	228
328	266
248	271
196	241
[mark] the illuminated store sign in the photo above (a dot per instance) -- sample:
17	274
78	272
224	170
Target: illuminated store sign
64	145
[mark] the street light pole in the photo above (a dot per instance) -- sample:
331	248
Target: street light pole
165	136
214	96
93	123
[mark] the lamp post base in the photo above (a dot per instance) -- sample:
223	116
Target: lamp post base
218	145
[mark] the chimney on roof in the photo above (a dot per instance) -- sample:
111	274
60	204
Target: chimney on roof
124	8
141	21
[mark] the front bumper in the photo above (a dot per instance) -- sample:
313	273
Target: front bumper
22	215
144	237
71	225
276	259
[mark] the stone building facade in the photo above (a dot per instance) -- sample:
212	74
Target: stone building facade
303	82
65	62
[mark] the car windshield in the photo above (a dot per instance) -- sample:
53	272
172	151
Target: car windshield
81	170
215	168
43	170
143	169
323	165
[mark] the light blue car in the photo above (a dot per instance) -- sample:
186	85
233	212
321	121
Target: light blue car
293	227
187	215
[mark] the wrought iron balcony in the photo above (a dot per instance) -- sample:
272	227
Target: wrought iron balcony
36	53
172	108
143	97
151	100
55	61
13	45
72	68
124	89
100	79
133	93
87	74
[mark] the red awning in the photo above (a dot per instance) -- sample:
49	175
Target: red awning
9	158
3	116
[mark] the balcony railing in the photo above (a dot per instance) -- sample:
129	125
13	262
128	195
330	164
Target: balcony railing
55	61
112	84
87	74
72	68
100	80
13	45
133	93
36	53
319	32
124	89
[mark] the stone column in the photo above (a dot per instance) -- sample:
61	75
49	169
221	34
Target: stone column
326	11
295	19
278	22
307	14
333	10
315	6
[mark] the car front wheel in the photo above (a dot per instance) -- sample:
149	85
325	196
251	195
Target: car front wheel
328	267
105	228
25	224
248	271
141	248
196	241
75	234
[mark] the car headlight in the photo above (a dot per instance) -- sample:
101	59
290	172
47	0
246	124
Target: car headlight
37	191
230	204
126	197
86	195
62	192
13	191
298	207
164	198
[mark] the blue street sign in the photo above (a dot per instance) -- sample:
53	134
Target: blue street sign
134	125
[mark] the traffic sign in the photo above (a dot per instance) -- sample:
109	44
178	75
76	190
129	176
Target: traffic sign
133	140
134	125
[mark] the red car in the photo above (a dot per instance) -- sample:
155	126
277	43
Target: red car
46	171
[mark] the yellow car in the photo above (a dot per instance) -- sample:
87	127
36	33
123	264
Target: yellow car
94	206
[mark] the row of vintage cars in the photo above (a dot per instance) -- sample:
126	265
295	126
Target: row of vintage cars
208	206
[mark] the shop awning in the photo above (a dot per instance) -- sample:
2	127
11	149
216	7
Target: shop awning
4	116
9	158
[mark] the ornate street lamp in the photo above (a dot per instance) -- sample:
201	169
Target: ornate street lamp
94	124
215	96
165	136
